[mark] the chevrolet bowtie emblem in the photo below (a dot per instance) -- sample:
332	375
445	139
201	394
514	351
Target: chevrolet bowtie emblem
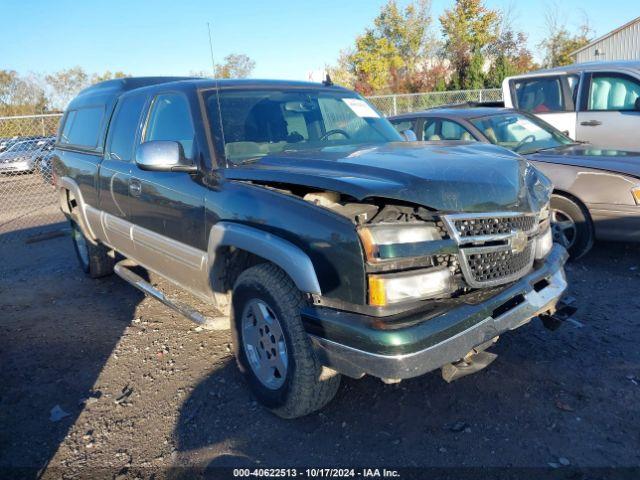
518	241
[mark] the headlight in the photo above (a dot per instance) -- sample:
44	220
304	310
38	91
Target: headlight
545	213
636	194
385	241
544	243
416	285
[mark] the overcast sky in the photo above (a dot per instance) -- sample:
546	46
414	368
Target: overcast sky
287	39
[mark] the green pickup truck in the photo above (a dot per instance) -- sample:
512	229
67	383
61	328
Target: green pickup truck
328	243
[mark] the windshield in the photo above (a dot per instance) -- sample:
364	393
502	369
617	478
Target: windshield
520	133
256	123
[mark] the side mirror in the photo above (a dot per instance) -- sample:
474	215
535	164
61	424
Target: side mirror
409	136
163	156
637	104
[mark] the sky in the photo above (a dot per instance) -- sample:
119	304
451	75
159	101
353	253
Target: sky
286	39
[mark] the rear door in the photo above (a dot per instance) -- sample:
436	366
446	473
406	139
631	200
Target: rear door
550	97
115	172
608	116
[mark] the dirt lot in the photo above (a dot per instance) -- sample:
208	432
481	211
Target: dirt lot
142	388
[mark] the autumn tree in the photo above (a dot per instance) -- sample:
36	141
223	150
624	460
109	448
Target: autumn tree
509	54
235	65
559	42
389	56
469	29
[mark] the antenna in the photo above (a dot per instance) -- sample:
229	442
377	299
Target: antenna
213	63
213	71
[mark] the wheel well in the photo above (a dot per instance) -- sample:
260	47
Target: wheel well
229	263
578	202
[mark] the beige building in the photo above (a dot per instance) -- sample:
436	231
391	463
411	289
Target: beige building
623	43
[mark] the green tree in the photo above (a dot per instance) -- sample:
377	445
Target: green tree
236	65
65	84
469	29
107	75
389	56
559	42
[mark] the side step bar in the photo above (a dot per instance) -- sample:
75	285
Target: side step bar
122	269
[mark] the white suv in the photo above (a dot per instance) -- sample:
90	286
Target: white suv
597	102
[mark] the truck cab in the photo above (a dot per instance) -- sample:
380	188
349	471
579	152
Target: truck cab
597	102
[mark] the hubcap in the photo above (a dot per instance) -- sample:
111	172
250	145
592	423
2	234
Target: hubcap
563	228
264	344
81	244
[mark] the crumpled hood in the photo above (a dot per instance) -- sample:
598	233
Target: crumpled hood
619	161
468	177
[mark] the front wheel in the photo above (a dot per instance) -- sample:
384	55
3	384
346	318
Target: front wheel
571	226
272	348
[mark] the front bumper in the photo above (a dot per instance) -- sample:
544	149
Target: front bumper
356	345
20	166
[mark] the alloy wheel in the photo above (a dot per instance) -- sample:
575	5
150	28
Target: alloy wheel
264	344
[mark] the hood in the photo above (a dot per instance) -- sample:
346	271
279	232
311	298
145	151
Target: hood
619	161
470	177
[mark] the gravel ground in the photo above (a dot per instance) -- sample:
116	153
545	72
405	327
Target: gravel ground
95	376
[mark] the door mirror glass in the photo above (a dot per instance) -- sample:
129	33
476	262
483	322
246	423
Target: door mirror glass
409	135
163	156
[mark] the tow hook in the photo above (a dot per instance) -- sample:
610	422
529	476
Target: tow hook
473	362
553	319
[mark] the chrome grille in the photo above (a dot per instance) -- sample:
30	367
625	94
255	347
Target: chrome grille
495	248
473	227
500	265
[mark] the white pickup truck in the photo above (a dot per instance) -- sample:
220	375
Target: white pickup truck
596	102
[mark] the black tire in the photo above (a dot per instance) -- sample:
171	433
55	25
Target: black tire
308	386
95	259
565	210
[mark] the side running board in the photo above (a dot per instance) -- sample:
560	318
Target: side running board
123	270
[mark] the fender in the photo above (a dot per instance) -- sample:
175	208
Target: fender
281	252
66	183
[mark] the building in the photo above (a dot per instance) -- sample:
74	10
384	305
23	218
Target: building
623	43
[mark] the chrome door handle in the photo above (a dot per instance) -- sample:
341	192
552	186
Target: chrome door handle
591	123
135	187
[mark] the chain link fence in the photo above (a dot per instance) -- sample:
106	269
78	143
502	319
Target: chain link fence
28	201
27	196
411	102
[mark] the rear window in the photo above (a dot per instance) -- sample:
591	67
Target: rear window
82	127
539	94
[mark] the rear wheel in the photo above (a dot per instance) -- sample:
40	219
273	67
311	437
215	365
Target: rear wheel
571	225
95	259
272	348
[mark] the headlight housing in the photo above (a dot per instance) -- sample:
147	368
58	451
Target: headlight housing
414	285
636	194
386	241
544	244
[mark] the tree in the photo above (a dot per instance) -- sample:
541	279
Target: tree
21	95
389	56
469	29
509	54
235	66
107	75
560	42
65	84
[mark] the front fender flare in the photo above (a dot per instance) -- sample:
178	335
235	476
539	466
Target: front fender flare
282	253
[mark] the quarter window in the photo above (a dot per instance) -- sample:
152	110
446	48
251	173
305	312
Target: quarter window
82	127
613	92
436	129
539	95
170	119
125	126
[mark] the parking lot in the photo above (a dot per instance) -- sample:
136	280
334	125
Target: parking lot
95	376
